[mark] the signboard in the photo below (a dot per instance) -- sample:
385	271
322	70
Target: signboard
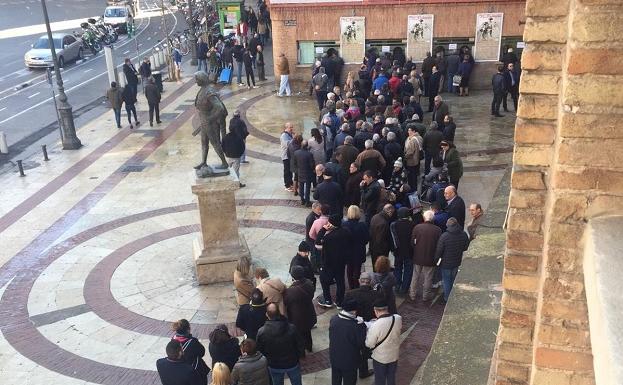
521	44
385	48
419	36
289	23
352	38
319	49
488	36
452	46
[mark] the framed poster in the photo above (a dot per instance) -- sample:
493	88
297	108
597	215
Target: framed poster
419	36
353	38
488	36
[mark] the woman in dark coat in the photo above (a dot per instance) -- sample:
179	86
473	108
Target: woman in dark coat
384	280
360	237
252	316
192	348
223	347
352	189
298	300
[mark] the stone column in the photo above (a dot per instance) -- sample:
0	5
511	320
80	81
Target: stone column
218	247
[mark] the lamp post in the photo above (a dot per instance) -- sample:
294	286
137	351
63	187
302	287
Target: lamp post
69	138
193	35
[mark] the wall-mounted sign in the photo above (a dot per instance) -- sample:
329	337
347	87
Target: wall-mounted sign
488	36
419	36
521	44
289	23
352	38
319	50
452	46
385	48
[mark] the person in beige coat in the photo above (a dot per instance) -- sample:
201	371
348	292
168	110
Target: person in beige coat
413	147
283	70
272	288
243	281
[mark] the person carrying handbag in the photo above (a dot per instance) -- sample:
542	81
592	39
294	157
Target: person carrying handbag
383	339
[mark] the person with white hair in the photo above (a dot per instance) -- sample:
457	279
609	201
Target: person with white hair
370	159
424	239
341	136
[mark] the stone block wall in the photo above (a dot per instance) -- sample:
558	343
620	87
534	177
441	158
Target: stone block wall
567	169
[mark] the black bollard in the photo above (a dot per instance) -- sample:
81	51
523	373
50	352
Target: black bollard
21	168
44	148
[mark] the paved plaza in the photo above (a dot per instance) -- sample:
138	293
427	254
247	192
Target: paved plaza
96	256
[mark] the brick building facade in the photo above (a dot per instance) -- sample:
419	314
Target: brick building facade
301	21
565	174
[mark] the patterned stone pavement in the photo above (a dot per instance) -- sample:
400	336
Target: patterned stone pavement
96	244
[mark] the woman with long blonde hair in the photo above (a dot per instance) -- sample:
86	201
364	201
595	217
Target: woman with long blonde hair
220	374
349	86
243	280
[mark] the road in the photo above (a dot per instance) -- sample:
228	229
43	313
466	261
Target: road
27	114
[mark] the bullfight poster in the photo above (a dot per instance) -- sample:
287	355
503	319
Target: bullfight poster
419	36
352	38
488	36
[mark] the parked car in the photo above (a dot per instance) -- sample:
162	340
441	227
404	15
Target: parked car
118	16
67	47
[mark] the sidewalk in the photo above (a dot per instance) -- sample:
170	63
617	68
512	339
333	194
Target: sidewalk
96	243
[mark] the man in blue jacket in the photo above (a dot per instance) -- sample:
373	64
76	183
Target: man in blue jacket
347	337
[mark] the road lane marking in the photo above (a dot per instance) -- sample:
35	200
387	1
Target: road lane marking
88	70
2	109
33	95
126	52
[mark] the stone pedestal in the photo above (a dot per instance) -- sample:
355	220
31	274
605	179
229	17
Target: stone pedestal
218	247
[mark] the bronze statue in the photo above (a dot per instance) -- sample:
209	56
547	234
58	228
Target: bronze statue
212	114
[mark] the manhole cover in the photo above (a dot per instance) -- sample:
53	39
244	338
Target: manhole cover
133	168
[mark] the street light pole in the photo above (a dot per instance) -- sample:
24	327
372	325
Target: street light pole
193	35
69	138
169	53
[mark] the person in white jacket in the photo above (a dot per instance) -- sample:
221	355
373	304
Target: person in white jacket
383	339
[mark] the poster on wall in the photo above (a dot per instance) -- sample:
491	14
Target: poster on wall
352	38
488	36
419	36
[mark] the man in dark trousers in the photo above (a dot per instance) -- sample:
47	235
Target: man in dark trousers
511	81
145	69
259	61
330	193
403	249
456	205
380	237
115	97
233	148
298	299
304	168
347	337
499	89
370	194
174	371
282	345
449	254
239	128
131	76
435	80
431	143
427	69
440	111
152	94
333	240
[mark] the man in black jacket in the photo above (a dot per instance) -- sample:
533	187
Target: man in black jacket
302	259
152	94
173	370
347	335
370	195
282	345
449	254
239	127
511	82
233	148
304	168
403	249
330	193
431	144
435	80
499	88
131	76
334	241
456	205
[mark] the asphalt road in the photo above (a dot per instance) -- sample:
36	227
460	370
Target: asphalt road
27	114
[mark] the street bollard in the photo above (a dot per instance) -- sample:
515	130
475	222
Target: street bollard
44	148
21	168
4	147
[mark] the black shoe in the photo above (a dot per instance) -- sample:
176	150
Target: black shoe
137	124
498	116
366	375
244	161
151	124
505	110
302	203
242	185
158	121
308	204
118	126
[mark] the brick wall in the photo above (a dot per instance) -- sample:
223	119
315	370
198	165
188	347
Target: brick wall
386	22
567	169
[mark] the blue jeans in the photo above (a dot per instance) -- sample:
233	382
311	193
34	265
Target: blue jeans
304	189
403	271
448	276
294	374
239	69
202	63
450	86
384	374
117	112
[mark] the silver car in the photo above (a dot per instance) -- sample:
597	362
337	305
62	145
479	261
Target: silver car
68	48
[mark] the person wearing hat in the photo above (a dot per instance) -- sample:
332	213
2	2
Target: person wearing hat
384	339
347	335
299	302
301	259
252	316
239	128
398	178
401	231
392	152
333	240
452	160
329	193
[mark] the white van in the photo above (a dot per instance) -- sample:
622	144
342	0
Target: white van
118	16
